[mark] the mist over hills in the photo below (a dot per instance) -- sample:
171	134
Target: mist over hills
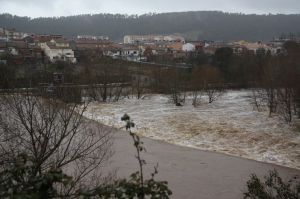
200	25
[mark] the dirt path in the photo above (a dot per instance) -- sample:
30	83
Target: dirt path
191	173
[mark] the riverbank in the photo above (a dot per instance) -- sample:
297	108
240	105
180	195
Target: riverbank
191	173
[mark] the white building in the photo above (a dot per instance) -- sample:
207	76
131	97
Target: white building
92	37
58	50
11	34
133	39
254	47
13	51
131	53
188	47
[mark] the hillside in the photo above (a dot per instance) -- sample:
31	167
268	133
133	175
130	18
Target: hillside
209	25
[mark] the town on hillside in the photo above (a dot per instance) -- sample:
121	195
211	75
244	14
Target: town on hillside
19	47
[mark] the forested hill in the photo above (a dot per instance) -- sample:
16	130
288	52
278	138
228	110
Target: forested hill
209	25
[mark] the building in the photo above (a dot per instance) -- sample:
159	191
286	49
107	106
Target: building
192	46
188	47
113	50
41	39
273	48
3	36
133	39
12	34
3	51
131	52
91	44
58	50
175	46
92	37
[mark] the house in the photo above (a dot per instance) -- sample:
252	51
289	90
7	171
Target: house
13	51
238	50
3	52
12	34
3	36
276	47
41	39
58	50
3	45
188	47
29	39
33	53
113	50
18	43
210	47
131	53
150	49
176	46
60	42
192	46
254	46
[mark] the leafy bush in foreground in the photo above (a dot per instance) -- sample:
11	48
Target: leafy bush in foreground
19	180
273	187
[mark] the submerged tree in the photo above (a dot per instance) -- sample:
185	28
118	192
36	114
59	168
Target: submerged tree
175	84
277	85
210	81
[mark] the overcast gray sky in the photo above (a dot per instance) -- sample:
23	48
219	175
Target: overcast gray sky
45	8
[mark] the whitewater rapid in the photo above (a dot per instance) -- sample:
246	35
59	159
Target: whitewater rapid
228	125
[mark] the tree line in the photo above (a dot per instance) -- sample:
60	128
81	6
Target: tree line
197	25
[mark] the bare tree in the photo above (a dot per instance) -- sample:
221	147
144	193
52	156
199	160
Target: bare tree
107	79
55	135
138	85
285	98
213	92
279	81
287	90
297	99
175	85
258	98
196	86
211	82
270	74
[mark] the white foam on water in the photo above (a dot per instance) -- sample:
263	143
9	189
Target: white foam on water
228	125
